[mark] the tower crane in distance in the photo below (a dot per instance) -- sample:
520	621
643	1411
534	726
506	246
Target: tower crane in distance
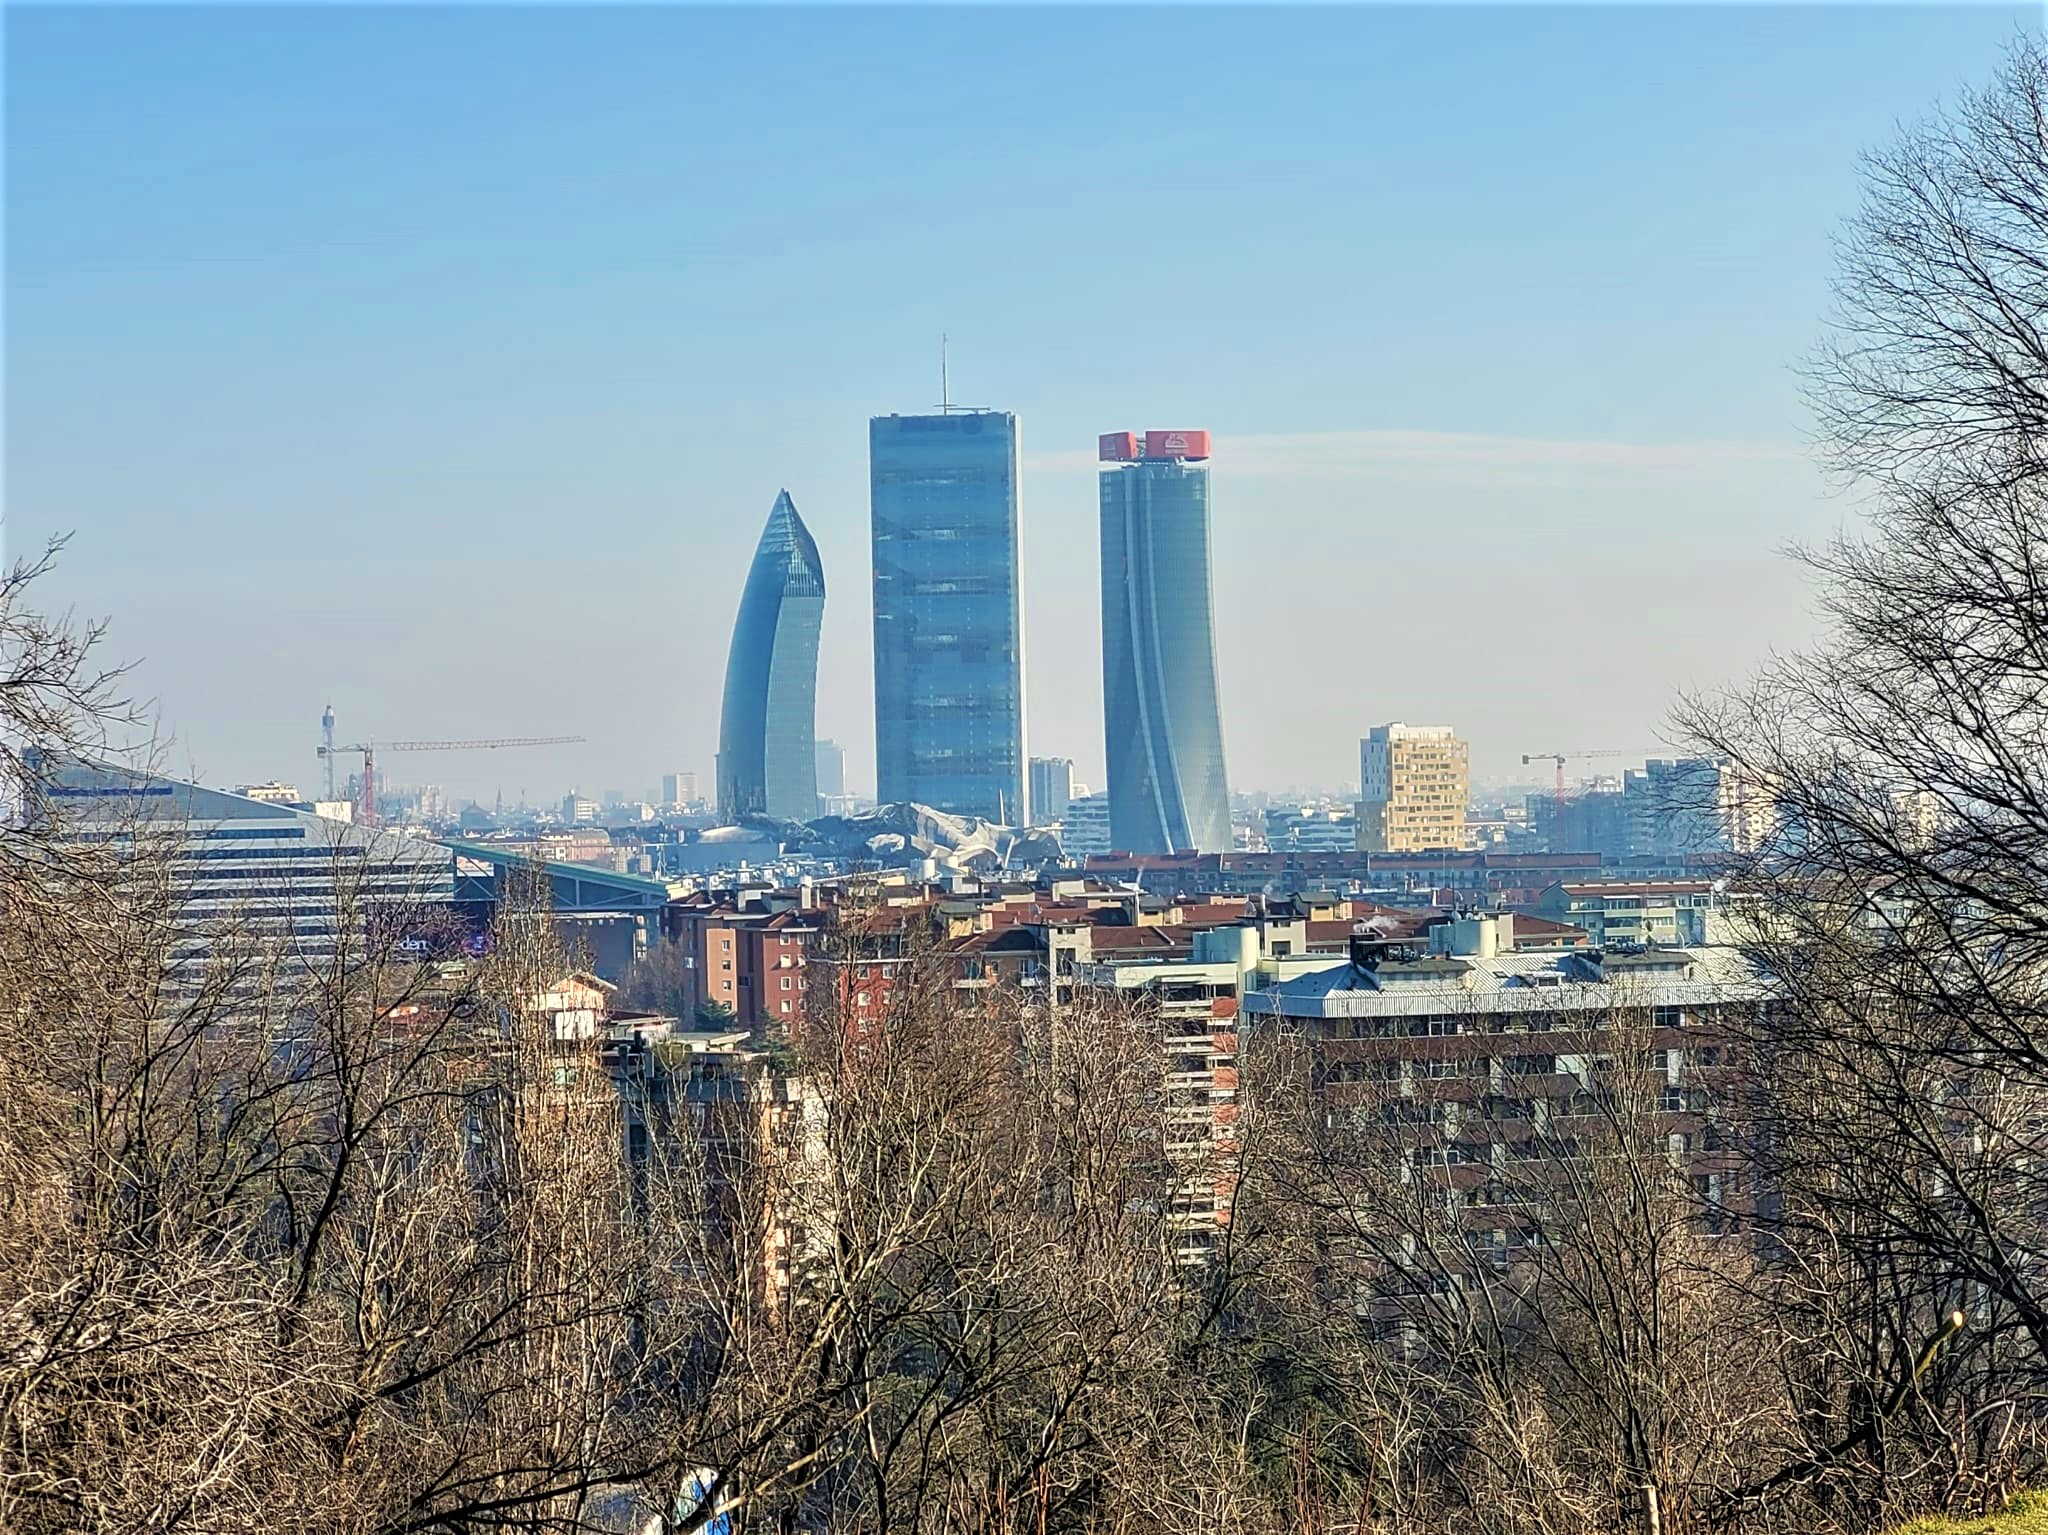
368	751
1560	758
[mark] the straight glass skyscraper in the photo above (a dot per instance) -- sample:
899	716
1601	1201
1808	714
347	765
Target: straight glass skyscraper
1162	724
949	644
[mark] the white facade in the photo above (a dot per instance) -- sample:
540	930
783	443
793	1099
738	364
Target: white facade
257	875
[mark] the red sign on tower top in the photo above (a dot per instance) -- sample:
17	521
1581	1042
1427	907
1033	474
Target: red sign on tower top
1176	444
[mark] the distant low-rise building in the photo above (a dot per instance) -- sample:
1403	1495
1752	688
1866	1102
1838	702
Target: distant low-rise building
1052	789
1084	831
831	775
1674	912
272	793
1299	828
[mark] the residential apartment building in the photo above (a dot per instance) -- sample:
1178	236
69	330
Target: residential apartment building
1637	913
1084	830
1483	1059
1415	785
1697	805
747	951
1667	813
1299	828
754	1128
1417	879
1195	993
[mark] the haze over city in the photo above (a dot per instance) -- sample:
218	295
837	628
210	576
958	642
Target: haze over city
1025	770
444	364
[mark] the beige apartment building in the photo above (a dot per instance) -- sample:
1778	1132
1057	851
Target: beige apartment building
1415	782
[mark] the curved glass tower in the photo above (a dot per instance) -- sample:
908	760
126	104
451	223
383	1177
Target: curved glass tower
1161	722
767	735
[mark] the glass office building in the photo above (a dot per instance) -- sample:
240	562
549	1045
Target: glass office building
1162	724
767	736
949	645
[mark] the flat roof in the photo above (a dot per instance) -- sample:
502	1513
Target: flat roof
1525	980
506	857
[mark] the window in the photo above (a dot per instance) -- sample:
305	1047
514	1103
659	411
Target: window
1469	1066
785	1007
785	983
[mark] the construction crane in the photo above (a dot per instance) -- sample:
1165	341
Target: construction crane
367	750
1560	758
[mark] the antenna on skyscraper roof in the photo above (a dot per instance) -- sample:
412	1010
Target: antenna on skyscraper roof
946	405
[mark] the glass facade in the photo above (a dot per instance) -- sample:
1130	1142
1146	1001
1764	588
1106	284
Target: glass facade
1162	724
767	736
949	647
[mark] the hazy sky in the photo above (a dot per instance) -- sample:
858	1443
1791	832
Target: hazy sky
445	363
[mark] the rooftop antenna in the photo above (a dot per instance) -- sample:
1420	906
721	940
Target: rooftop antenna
946	405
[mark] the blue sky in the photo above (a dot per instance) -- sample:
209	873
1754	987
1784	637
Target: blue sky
444	363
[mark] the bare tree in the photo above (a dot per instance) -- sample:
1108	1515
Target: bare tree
1899	903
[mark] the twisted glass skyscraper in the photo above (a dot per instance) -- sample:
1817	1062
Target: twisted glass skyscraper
949	648
1162	725
767	736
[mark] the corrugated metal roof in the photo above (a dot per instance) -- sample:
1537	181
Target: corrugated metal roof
1540	980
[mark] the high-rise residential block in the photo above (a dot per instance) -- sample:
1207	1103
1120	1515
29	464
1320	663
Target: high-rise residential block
949	643
1162	723
1696	805
1415	783
1052	786
767	741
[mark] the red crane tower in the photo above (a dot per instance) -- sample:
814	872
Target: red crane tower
1560	758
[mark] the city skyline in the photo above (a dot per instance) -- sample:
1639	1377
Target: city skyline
484	380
